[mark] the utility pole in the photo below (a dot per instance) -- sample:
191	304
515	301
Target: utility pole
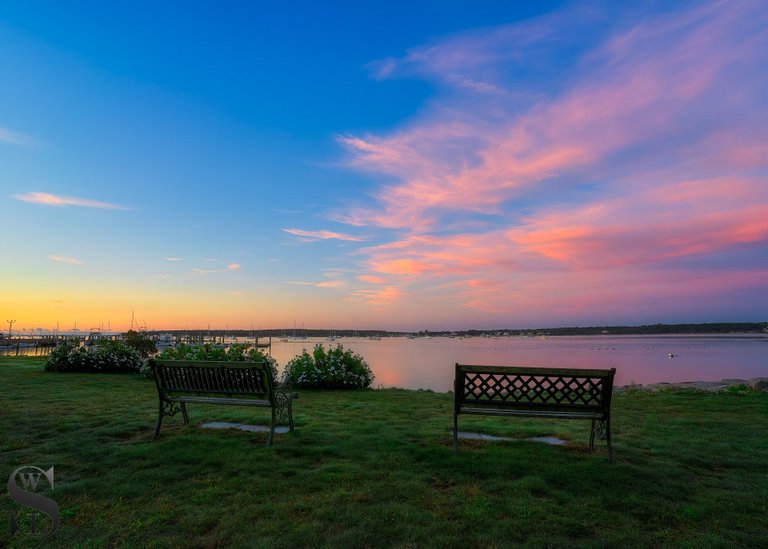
10	327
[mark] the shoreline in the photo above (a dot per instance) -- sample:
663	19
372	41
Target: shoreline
755	383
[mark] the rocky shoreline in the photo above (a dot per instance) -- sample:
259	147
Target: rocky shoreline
757	384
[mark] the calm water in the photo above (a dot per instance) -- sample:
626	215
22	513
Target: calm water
429	363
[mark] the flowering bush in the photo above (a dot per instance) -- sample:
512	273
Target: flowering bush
332	369
239	352
106	356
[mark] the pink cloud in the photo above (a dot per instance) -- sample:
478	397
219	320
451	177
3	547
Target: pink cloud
326	284
378	297
633	96
323	235
370	279
647	226
53	200
649	152
230	267
330	284
63	259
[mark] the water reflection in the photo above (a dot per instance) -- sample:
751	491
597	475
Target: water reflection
428	363
25	350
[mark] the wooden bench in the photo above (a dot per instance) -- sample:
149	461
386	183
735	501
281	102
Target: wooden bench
535	392
180	382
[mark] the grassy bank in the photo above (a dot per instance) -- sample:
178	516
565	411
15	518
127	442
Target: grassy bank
375	468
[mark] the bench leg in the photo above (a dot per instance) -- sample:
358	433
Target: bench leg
168	408
272	429
159	419
455	433
601	428
284	409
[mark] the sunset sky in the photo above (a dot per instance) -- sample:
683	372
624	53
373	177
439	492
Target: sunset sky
399	165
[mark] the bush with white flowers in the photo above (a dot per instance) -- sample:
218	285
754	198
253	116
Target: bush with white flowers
106	357
335	368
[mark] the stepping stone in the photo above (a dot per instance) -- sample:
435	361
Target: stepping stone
480	436
243	427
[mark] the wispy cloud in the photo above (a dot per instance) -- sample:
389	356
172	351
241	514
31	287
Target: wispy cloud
16	138
63	259
54	200
325	284
323	235
229	268
377	297
173	258
644	158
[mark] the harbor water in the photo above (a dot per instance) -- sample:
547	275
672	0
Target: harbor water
428	363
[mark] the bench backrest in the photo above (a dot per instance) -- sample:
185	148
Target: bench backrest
532	388
214	378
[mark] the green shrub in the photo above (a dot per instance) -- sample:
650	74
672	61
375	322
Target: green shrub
238	352
332	369
105	357
141	342
739	389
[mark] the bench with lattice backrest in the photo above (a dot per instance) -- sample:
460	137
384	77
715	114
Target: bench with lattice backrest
180	382
535	392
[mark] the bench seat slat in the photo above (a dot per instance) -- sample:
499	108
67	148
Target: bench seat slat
217	400
533	413
532	407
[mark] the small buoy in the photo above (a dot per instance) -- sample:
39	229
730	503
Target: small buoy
670	355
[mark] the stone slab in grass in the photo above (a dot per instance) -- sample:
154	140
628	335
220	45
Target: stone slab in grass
480	436
243	427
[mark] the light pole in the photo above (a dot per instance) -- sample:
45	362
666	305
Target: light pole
10	327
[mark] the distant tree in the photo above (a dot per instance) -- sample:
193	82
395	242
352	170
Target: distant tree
141	342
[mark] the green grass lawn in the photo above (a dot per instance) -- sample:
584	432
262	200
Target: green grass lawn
376	468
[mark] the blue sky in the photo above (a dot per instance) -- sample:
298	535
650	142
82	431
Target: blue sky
401	165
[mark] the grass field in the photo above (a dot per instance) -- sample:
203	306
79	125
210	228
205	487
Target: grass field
376	469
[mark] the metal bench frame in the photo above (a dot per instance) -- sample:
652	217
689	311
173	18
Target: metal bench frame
180	382
558	393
